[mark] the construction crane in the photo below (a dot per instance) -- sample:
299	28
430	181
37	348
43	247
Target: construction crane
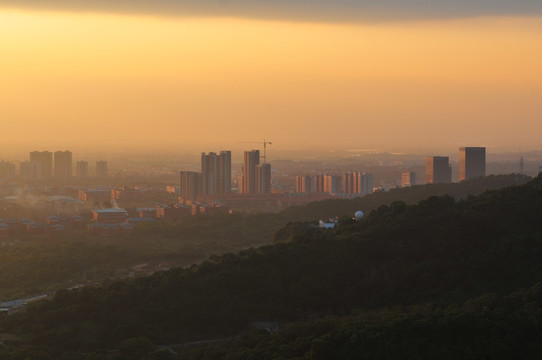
264	142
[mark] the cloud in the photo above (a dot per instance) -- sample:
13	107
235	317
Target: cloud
297	10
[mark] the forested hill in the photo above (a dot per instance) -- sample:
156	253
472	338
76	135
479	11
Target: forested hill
450	254
36	265
409	195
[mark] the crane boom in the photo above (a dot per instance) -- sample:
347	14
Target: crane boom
264	142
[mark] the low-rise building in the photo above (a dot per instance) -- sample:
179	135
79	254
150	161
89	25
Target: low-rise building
109	216
94	196
172	211
110	230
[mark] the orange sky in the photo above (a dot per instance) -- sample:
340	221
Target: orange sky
83	80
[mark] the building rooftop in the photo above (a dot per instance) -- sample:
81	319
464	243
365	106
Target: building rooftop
110	211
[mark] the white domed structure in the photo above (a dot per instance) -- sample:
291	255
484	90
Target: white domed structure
358	215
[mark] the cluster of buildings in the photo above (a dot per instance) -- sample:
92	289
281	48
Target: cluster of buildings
49	165
256	178
215	176
472	164
116	222
351	182
54	224
210	190
110	222
105	194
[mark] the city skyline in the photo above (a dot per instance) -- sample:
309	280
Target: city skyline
263	179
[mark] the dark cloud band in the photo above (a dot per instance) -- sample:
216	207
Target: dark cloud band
302	10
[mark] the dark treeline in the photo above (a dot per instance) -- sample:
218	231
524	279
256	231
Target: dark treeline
43	263
460	276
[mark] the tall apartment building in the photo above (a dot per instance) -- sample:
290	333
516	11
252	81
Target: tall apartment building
251	161
408	178
216	172
190	185
332	184
472	162
210	169
263	178
349	182
437	170
45	158
63	165
81	169
357	182
31	170
7	171
304	184
102	170
225	171
365	184
318	183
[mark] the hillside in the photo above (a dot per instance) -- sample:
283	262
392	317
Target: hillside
440	255
32	266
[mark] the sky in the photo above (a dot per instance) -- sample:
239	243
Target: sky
425	75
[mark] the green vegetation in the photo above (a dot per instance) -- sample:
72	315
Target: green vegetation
46	262
443	278
486	327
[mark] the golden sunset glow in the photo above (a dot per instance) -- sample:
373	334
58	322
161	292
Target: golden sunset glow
212	81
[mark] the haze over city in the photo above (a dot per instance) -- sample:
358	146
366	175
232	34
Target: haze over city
193	75
270	179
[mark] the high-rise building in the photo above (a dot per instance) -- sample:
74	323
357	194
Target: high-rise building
81	169
472	162
216	172
225	171
7	171
304	184
318	183
191	183
349	182
251	161
31	170
437	170
365	183
63	165
45	158
299	184
357	182
263	178
332	184
101	169
408	178
210	168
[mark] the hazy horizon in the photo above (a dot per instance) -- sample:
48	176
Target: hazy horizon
390	77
